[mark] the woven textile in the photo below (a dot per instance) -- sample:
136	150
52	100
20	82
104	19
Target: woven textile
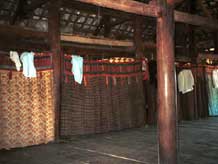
26	109
98	107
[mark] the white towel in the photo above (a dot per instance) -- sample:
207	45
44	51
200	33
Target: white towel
77	68
185	81
15	58
29	69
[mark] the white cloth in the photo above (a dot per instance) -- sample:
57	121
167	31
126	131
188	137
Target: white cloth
77	68
15	58
215	78
185	81
29	69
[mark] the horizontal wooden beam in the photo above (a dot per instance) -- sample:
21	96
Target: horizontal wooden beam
143	9
129	6
16	43
104	42
91	9
97	47
19	34
101	51
22	32
195	20
96	41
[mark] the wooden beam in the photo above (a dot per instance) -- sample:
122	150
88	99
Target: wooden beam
22	32
19	32
91	9
167	118
143	9
130	6
97	47
195	20
54	41
95	41
97	51
17	44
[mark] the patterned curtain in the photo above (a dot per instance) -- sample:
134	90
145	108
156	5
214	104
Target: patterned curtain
26	109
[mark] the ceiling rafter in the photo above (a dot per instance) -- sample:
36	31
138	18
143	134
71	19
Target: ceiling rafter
30	8
19	11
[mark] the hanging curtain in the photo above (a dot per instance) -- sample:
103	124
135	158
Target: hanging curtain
194	105
26	109
110	98
212	94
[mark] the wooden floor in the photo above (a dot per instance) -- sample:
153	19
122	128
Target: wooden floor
198	144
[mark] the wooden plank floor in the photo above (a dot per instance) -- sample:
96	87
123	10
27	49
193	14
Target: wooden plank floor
198	144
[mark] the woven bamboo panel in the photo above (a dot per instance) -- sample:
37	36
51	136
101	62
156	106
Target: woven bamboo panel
26	109
98	107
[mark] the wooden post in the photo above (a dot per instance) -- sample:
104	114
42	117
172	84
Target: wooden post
192	42
216	42
166	83
192	110
138	41
54	42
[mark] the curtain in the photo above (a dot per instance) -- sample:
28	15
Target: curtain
194	105
26	109
99	108
212	94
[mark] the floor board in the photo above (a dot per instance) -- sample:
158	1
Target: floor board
197	144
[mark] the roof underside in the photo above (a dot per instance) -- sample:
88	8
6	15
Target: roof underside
87	20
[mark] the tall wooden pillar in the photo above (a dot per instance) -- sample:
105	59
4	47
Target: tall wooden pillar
138	41
216	42
55	47
191	35
166	83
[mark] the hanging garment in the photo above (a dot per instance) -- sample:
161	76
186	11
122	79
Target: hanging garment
185	81
29	69
77	68
213	96
15	58
215	78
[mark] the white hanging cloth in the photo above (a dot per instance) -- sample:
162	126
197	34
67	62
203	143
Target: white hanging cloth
15	58
77	68
29	69
185	81
215	78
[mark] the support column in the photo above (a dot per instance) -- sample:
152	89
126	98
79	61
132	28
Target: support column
166	83
191	29
55	47
216	42
138	41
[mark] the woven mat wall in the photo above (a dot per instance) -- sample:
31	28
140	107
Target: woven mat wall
26	109
98	108
194	105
